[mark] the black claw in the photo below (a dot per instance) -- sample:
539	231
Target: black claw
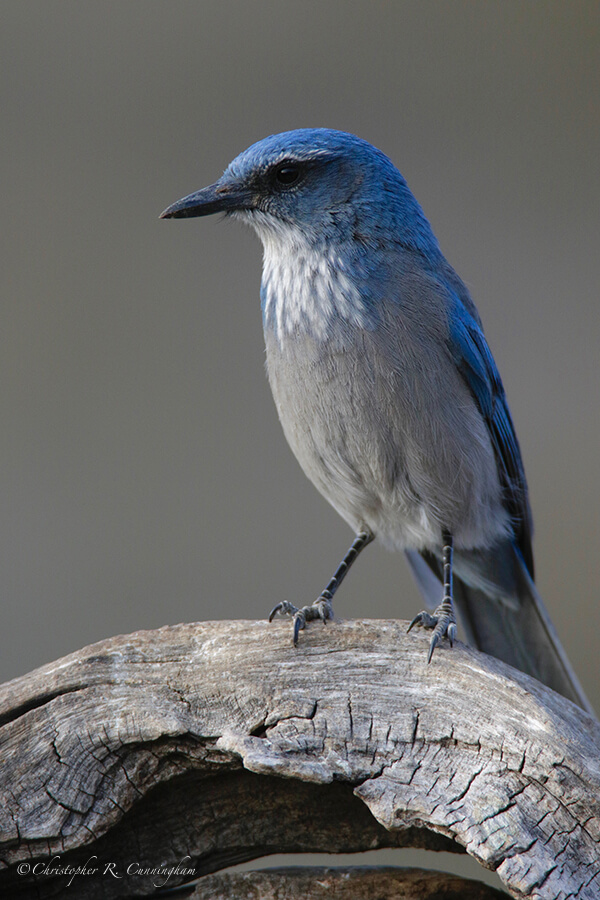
443	624
439	631
299	623
320	609
285	608
442	621
423	618
432	645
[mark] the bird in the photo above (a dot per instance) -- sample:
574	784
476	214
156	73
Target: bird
387	390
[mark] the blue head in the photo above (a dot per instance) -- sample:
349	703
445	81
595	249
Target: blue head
332	213
328	186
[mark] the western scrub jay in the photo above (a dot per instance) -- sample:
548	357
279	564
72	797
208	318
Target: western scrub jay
387	391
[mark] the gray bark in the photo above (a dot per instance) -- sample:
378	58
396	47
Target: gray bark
200	746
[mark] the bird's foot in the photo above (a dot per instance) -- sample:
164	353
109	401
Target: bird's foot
443	622
320	609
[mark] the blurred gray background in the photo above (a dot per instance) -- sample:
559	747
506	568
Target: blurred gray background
144	476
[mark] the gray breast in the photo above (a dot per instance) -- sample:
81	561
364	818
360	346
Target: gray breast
391	439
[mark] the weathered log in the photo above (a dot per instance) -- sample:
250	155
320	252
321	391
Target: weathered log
356	883
195	747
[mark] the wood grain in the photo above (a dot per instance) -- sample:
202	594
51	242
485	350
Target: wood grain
209	744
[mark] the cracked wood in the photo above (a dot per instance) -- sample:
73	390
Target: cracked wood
219	742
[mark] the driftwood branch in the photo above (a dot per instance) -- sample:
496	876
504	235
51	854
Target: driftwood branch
356	883
157	757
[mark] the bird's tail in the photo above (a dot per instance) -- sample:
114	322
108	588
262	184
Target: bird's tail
502	613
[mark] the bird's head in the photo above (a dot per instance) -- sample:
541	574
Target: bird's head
318	183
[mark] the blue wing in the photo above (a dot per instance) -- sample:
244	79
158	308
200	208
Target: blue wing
476	364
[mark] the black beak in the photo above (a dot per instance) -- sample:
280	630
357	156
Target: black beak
213	199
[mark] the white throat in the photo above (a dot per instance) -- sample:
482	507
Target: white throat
305	286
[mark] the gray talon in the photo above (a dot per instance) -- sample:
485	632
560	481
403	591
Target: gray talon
285	608
442	621
321	609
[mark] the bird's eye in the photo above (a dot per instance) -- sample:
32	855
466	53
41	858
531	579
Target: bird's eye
287	174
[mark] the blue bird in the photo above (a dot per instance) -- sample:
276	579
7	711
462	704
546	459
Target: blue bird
387	391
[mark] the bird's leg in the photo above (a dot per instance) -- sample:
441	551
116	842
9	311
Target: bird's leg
443	620
322	607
